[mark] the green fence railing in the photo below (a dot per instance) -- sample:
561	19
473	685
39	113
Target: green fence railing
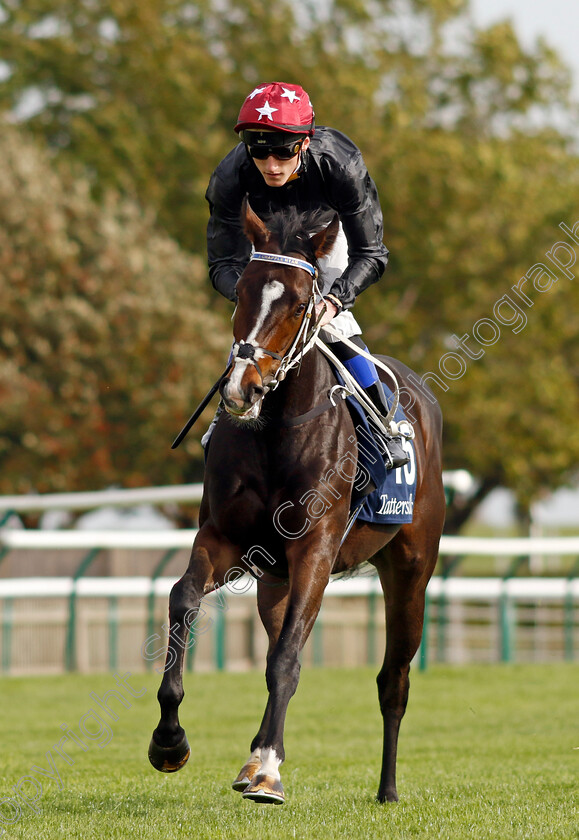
504	594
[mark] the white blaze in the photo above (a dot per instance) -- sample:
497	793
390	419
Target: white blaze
271	292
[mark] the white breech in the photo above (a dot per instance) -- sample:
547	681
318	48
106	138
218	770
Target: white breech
332	266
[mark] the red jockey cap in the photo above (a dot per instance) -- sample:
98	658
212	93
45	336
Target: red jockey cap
278	107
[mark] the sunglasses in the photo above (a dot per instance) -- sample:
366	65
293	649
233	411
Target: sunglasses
278	152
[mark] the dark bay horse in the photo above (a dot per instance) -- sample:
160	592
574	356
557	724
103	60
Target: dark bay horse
266	463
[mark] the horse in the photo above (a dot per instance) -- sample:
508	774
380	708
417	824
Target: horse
265	459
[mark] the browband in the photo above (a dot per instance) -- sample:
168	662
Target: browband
281	258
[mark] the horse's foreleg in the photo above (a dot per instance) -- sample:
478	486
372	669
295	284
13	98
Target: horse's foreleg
271	603
404	580
282	675
169	749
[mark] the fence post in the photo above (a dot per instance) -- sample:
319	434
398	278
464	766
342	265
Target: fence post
4	517
507	612
371	628
506	619
441	623
423	649
569	614
70	648
190	649
113	632
220	641
569	618
318	640
448	570
7	623
156	573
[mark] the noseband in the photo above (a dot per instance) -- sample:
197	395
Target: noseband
246	350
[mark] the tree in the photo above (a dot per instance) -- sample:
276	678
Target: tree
474	172
129	89
466	217
106	338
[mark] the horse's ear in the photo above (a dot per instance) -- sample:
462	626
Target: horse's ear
323	241
254	228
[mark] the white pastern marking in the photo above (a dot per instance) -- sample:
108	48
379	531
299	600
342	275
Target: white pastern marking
269	763
255	756
271	292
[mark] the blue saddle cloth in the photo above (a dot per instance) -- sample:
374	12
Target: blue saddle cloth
392	502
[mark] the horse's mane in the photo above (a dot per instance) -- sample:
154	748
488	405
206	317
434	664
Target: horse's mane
293	230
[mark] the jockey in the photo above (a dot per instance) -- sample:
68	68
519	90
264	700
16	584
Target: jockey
282	161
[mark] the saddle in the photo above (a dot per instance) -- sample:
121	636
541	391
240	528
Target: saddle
391	502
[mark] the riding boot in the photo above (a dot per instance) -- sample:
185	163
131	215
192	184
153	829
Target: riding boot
364	372
395	452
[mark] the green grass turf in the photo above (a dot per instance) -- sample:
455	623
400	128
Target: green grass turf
485	752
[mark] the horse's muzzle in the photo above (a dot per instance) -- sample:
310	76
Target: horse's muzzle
242	401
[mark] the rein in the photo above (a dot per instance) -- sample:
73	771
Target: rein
388	423
246	351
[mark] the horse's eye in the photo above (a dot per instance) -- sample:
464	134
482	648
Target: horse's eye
300	309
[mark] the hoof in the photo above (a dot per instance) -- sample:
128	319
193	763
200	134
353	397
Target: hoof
246	775
169	759
265	789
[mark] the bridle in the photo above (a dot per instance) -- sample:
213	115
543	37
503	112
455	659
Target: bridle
245	350
304	339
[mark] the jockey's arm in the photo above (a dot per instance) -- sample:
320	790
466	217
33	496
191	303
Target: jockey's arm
355	196
228	248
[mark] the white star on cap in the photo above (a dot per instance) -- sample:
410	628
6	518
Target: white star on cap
291	95
266	111
255	92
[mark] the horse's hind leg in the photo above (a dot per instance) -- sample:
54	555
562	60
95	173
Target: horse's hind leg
169	749
404	575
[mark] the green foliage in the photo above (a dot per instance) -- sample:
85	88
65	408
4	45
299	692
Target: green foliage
469	136
482	223
102	326
130	89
